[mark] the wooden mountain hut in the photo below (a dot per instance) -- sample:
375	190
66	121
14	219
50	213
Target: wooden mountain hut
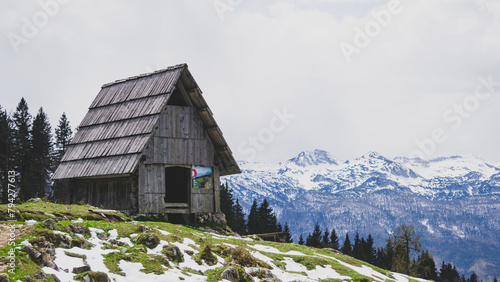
149	144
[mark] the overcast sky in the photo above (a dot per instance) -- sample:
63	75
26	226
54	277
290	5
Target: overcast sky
403	78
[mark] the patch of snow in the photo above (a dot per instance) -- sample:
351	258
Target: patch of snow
425	222
291	265
134	273
363	270
26	243
161	231
134	235
30	222
113	234
273	250
79	220
127	241
325	273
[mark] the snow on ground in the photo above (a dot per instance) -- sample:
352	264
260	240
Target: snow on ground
363	270
134	274
79	220
293	271
162	232
273	250
30	222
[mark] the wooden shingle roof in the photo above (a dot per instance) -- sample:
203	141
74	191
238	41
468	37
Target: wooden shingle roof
121	120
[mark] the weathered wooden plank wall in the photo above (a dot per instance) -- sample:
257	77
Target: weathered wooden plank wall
179	139
111	193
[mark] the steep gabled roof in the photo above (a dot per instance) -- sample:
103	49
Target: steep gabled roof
121	120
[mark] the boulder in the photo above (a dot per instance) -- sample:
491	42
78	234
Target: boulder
80	229
230	273
49	223
80	269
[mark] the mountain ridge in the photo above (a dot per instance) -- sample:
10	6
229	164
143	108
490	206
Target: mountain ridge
455	197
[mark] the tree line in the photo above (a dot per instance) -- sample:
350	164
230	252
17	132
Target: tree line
402	253
28	147
261	218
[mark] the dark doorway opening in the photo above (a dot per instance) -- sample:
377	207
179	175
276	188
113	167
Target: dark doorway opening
177	184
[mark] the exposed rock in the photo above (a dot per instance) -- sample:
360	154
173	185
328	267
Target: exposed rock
173	253
4	277
93	277
103	236
230	273
42	252
215	218
35	200
143	229
116	242
49	223
149	240
80	269
80	229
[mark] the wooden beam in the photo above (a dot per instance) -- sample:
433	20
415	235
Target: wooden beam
183	92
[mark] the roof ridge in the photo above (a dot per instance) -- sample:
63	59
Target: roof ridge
145	74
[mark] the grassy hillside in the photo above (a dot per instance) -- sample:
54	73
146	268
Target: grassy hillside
51	240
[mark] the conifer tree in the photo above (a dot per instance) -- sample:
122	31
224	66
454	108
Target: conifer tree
41	156
267	221
334	240
288	234
63	137
495	279
239	219
473	277
5	152
316	236
301	240
425	267
22	148
253	221
227	204
370	250
347	248
309	240
325	241
356	249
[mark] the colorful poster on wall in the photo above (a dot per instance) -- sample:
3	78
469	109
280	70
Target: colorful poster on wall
202	176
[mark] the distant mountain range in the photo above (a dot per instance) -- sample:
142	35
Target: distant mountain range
454	202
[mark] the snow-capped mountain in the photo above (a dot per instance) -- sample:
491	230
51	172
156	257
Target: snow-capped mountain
454	202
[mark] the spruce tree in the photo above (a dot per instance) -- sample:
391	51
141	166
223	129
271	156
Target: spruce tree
316	236
325	241
227	204
347	248
301	240
334	240
495	279
425	267
41	156
356	249
309	240
22	148
266	218
473	277
239	219
5	153
63	137
288	234
370	250
253	221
